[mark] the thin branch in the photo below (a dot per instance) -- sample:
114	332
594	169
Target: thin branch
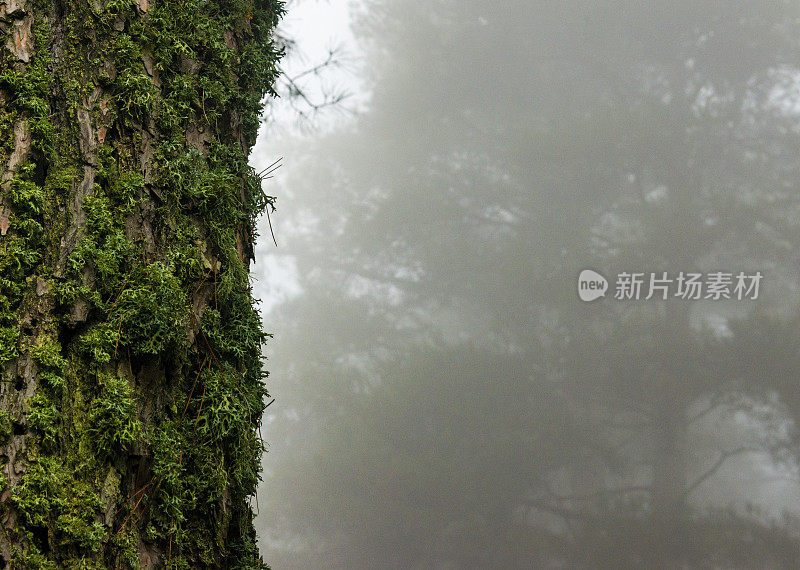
330	61
724	456
713	405
296	87
270	228
265	173
295	91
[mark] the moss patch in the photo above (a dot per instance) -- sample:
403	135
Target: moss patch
130	229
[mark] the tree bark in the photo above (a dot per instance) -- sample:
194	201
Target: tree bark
132	387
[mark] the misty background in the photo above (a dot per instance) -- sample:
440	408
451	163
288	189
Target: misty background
444	399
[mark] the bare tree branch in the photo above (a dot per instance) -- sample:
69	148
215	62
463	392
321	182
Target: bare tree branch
724	456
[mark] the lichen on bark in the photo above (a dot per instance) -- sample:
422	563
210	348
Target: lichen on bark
132	386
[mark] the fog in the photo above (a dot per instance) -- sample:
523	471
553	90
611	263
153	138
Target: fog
446	393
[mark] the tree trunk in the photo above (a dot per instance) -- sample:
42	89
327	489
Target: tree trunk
132	386
672	396
669	469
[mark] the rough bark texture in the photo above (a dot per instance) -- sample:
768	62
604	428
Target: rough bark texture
132	386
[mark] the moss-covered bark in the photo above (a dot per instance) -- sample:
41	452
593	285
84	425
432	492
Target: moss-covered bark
132	386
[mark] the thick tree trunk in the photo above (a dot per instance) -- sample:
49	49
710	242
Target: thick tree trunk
132	387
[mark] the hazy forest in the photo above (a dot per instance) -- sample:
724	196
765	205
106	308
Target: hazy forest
444	398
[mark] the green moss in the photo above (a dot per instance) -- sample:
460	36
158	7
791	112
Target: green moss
52	497
153	311
113	424
9	339
46	353
104	248
44	416
156	245
32	559
97	344
29	91
126	543
134	91
21	253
